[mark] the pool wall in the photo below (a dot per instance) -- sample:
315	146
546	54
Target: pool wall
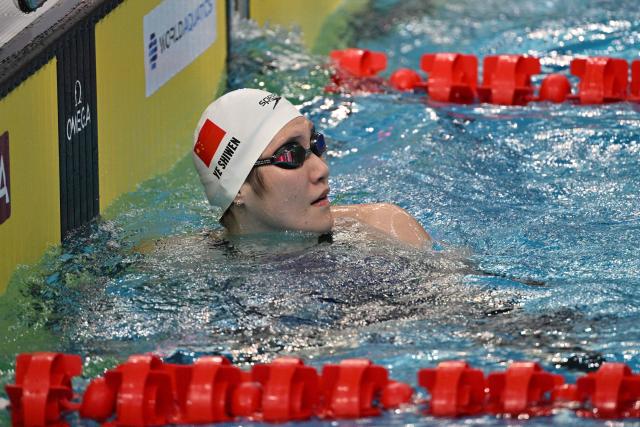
29	146
100	104
142	135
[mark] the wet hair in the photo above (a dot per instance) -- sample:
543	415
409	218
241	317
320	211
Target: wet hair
228	219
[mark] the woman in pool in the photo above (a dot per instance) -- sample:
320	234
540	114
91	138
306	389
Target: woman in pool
260	162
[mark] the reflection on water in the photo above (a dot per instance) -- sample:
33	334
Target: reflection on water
253	298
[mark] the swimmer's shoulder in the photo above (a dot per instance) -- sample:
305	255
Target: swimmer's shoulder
388	218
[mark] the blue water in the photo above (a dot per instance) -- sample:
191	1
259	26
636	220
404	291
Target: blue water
535	212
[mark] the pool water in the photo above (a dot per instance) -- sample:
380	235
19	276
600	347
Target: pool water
535	211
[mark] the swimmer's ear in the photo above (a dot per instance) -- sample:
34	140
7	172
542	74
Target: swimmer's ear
240	197
238	201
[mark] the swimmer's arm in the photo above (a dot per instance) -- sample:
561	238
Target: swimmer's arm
388	218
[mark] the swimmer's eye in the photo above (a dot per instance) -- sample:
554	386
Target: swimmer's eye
292	155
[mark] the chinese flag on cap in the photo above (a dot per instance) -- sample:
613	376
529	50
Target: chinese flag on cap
209	139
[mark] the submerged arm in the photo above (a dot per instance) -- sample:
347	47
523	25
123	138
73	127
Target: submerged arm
388	218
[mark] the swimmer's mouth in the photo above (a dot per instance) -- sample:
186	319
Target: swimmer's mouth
322	200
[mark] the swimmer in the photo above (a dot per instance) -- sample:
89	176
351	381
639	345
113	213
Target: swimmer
262	167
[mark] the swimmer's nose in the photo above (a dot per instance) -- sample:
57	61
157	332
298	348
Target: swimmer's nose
319	170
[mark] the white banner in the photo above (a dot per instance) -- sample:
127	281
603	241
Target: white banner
175	33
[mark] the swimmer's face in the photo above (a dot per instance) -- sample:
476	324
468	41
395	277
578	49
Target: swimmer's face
294	199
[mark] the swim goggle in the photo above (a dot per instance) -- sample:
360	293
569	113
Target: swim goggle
292	155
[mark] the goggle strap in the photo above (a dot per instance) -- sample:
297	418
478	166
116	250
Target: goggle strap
263	162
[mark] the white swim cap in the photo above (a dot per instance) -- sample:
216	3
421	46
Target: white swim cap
231	135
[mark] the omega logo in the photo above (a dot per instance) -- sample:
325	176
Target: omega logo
78	92
82	116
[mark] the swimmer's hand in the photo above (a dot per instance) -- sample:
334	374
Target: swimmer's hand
388	218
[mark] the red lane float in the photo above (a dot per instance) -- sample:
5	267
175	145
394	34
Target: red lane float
452	78
406	79
359	62
356	70
611	392
602	79
555	88
203	390
456	389
145	391
42	390
138	391
635	81
289	390
523	389
507	79
350	388
396	395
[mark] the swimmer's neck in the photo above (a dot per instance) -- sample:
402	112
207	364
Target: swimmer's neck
243	224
